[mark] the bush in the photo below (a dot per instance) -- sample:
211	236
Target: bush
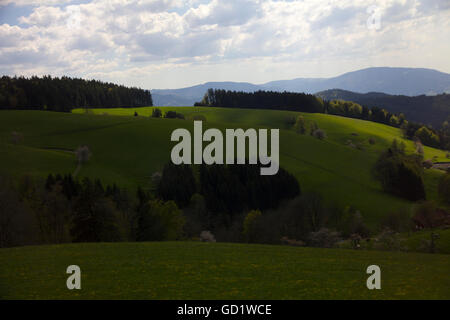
207	236
173	115
156	113
388	240
324	238
351	223
319	134
289	121
428	137
427	164
428	215
300	125
83	154
160	221
399	174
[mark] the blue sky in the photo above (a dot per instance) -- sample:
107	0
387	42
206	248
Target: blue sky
175	43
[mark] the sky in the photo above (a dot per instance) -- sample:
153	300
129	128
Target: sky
155	44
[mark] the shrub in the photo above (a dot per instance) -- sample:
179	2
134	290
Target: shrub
83	154
324	238
289	121
428	215
388	240
156	113
351	222
319	134
428	137
300	125
173	115
419	147
160	221
313	128
399	174
207	236
429	246
427	164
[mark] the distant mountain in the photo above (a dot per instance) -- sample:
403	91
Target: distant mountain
188	96
423	109
395	81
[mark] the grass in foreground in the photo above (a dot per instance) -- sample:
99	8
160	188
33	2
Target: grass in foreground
193	270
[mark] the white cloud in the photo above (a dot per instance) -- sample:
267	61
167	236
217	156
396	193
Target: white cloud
151	42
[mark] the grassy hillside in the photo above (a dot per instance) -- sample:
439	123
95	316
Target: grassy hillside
190	270
127	149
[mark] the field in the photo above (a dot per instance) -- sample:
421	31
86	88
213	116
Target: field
127	150
194	270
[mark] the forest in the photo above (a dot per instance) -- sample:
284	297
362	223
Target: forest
424	109
301	102
65	93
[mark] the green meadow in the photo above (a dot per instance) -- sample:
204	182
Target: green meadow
127	150
195	270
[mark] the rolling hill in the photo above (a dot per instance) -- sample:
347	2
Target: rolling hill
127	150
394	81
194	270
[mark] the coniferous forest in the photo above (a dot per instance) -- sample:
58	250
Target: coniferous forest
65	93
302	102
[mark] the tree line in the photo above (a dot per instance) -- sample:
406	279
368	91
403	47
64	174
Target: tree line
262	100
302	102
242	207
65	93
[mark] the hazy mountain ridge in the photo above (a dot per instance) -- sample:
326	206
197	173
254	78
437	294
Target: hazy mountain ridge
393	81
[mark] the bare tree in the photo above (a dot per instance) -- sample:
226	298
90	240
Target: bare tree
83	154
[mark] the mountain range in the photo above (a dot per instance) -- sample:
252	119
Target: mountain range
392	81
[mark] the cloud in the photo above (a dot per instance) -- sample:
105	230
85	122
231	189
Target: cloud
21	3
112	37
